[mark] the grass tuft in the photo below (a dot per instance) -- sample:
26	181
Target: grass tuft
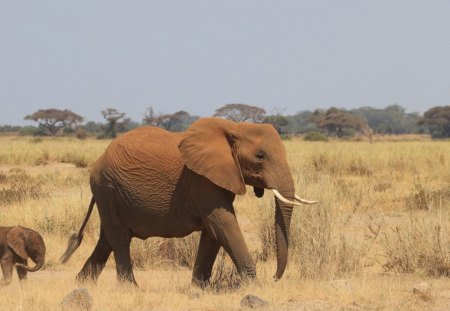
421	246
20	187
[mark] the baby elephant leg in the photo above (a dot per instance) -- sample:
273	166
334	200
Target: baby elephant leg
7	264
21	272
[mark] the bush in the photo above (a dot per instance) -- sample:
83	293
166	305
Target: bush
420	246
31	131
81	134
179	252
315	136
315	250
19	186
79	160
423	198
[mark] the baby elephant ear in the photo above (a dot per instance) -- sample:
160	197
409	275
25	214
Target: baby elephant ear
15	238
208	149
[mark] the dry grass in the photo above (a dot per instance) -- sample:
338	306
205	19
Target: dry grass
17	150
384	208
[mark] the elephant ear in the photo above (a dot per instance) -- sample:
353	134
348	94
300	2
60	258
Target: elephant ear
15	238
208	149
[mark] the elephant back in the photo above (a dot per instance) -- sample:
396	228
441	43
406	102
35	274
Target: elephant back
139	162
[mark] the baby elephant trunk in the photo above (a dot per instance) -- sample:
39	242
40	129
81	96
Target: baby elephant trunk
40	260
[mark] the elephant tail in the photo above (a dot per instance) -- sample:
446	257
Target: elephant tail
75	239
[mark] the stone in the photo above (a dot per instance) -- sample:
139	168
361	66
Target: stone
78	299
252	301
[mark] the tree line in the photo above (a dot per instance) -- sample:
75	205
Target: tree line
334	121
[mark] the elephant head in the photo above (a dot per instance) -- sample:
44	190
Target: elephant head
233	155
27	243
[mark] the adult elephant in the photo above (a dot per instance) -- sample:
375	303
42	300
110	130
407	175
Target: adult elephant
150	182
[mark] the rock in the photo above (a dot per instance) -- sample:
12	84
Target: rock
252	301
79	299
423	290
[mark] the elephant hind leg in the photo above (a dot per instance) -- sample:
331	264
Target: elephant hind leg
113	213
206	255
123	262
96	262
120	240
21	272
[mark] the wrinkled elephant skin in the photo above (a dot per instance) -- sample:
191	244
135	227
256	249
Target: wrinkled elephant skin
150	182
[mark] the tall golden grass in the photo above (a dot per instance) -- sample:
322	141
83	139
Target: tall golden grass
383	222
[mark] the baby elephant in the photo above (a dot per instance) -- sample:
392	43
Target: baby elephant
16	245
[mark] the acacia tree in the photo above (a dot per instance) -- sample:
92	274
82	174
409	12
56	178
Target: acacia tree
241	113
437	119
175	122
334	121
112	116
277	119
53	120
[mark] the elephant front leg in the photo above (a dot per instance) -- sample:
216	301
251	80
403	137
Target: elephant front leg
223	226
21	272
206	255
7	265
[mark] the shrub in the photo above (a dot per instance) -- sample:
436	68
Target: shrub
423	198
81	134
315	136
180	252
30	131
79	160
43	159
421	246
314	249
224	275
21	187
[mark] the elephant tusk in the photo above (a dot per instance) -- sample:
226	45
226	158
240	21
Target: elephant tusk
308	202
283	199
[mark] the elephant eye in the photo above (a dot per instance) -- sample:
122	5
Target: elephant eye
260	155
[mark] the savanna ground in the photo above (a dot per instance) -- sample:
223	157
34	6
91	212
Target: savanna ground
382	225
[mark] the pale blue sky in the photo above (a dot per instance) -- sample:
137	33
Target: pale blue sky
199	55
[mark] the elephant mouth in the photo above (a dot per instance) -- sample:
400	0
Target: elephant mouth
259	192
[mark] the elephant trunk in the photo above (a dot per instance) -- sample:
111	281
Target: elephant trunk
283	214
39	260
36	250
